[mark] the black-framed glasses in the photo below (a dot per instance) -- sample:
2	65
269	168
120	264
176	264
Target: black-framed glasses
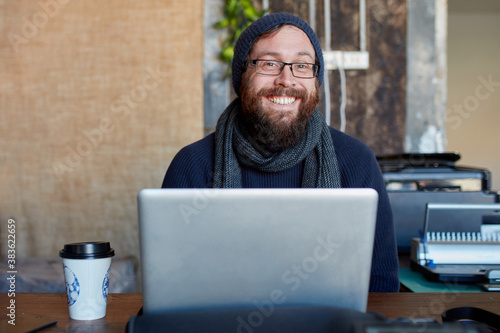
301	70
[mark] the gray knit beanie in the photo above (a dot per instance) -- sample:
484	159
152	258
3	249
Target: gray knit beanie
247	39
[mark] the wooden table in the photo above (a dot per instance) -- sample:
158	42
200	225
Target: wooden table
122	306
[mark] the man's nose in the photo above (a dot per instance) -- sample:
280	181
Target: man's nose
286	78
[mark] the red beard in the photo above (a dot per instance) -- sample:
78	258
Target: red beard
276	134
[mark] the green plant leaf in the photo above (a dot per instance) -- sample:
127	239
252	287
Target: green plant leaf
238	15
227	54
224	23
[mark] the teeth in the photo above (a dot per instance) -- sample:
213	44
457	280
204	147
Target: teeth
282	100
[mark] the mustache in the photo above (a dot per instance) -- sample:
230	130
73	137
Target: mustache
291	92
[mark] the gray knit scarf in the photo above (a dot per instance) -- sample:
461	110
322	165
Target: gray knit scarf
233	150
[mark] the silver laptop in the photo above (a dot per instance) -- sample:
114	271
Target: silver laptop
225	248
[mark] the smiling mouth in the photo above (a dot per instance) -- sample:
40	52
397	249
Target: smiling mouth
282	100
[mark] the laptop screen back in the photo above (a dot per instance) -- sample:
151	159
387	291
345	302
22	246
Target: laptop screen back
223	248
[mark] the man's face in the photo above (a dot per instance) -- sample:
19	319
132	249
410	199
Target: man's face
277	107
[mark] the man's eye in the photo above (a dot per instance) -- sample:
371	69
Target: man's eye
270	64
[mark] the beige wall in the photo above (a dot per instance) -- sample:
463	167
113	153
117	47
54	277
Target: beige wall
95	99
473	124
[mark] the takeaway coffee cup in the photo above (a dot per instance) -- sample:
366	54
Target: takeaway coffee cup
86	271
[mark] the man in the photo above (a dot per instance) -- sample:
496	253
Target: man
272	134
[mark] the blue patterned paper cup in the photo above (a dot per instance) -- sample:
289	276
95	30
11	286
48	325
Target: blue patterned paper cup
86	271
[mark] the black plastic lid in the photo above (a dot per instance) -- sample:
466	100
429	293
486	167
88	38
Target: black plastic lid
87	250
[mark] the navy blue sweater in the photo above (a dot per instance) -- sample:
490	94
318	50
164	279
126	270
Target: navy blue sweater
192	167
